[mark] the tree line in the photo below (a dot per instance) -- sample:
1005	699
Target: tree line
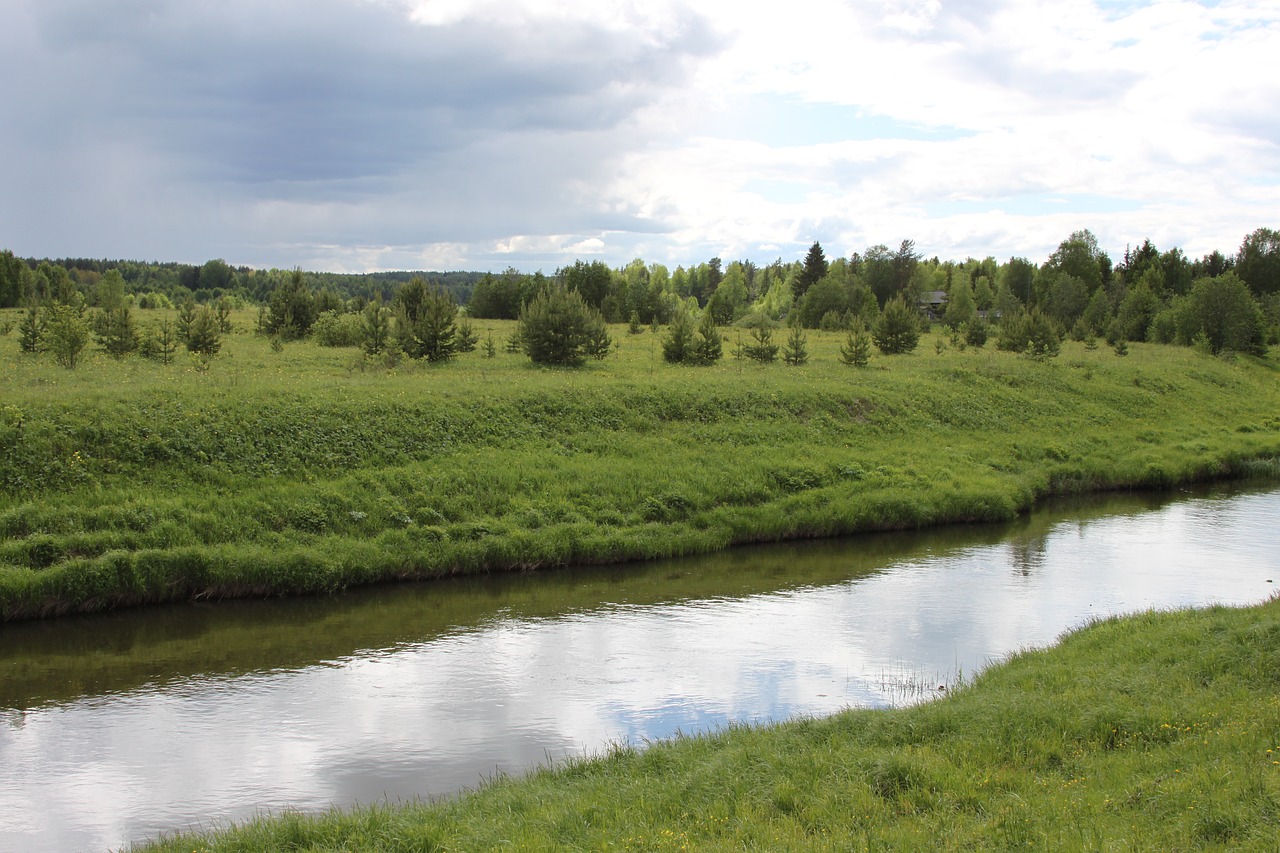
884	296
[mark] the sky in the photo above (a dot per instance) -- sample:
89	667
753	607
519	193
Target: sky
366	135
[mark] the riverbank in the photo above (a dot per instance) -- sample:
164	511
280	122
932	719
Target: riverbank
309	471
1159	731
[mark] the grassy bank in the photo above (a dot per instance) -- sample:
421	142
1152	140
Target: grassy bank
308	470
1152	732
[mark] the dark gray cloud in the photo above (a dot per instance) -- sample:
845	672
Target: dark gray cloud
394	132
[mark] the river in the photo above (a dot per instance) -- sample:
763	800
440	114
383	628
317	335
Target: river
117	727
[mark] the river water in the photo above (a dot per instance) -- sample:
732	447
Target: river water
118	727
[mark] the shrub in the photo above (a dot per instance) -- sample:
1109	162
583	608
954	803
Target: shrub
204	335
558	327
1044	338
66	333
898	330
677	346
425	322
335	329
796	352
857	348
763	349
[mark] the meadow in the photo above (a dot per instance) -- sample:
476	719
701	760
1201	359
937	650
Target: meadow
312	469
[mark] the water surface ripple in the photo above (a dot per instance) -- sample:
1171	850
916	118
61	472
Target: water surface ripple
118	727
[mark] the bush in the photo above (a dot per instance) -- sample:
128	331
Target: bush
204	335
898	330
66	333
763	349
857	349
425	322
796	351
334	329
558	327
1224	311
975	334
1044	338
677	346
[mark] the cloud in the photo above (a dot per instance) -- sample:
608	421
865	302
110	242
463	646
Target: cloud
481	132
330	121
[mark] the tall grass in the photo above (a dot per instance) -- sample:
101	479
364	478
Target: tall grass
313	469
1152	732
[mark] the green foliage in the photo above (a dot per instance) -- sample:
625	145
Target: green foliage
186	316
66	333
115	330
591	281
204	335
828	295
338	329
31	330
762	349
633	325
375	327
1062	296
292	309
160	343
677	346
496	297
492	443
1224	311
558	327
467	336
976	332
425	322
12	285
1137	310
709	346
796	352
857	348
813	271
1043	336
1013	332
1258	262
961	309
489	347
898	330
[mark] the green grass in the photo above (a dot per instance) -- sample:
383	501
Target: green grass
309	470
1159	731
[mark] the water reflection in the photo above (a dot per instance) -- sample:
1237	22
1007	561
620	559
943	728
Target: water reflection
124	725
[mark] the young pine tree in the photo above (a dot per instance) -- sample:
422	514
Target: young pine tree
709	346
796	352
898	330
31	329
204	334
762	348
66	333
677	346
857	348
467	337
375	331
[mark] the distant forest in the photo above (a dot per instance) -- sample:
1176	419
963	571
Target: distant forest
1079	286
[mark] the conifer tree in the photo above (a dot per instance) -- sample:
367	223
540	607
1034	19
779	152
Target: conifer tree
898	330
677	346
857	348
709	346
796	352
813	271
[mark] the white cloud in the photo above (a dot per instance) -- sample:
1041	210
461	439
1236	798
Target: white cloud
352	132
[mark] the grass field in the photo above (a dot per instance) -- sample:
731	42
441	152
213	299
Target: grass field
1152	732
309	470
